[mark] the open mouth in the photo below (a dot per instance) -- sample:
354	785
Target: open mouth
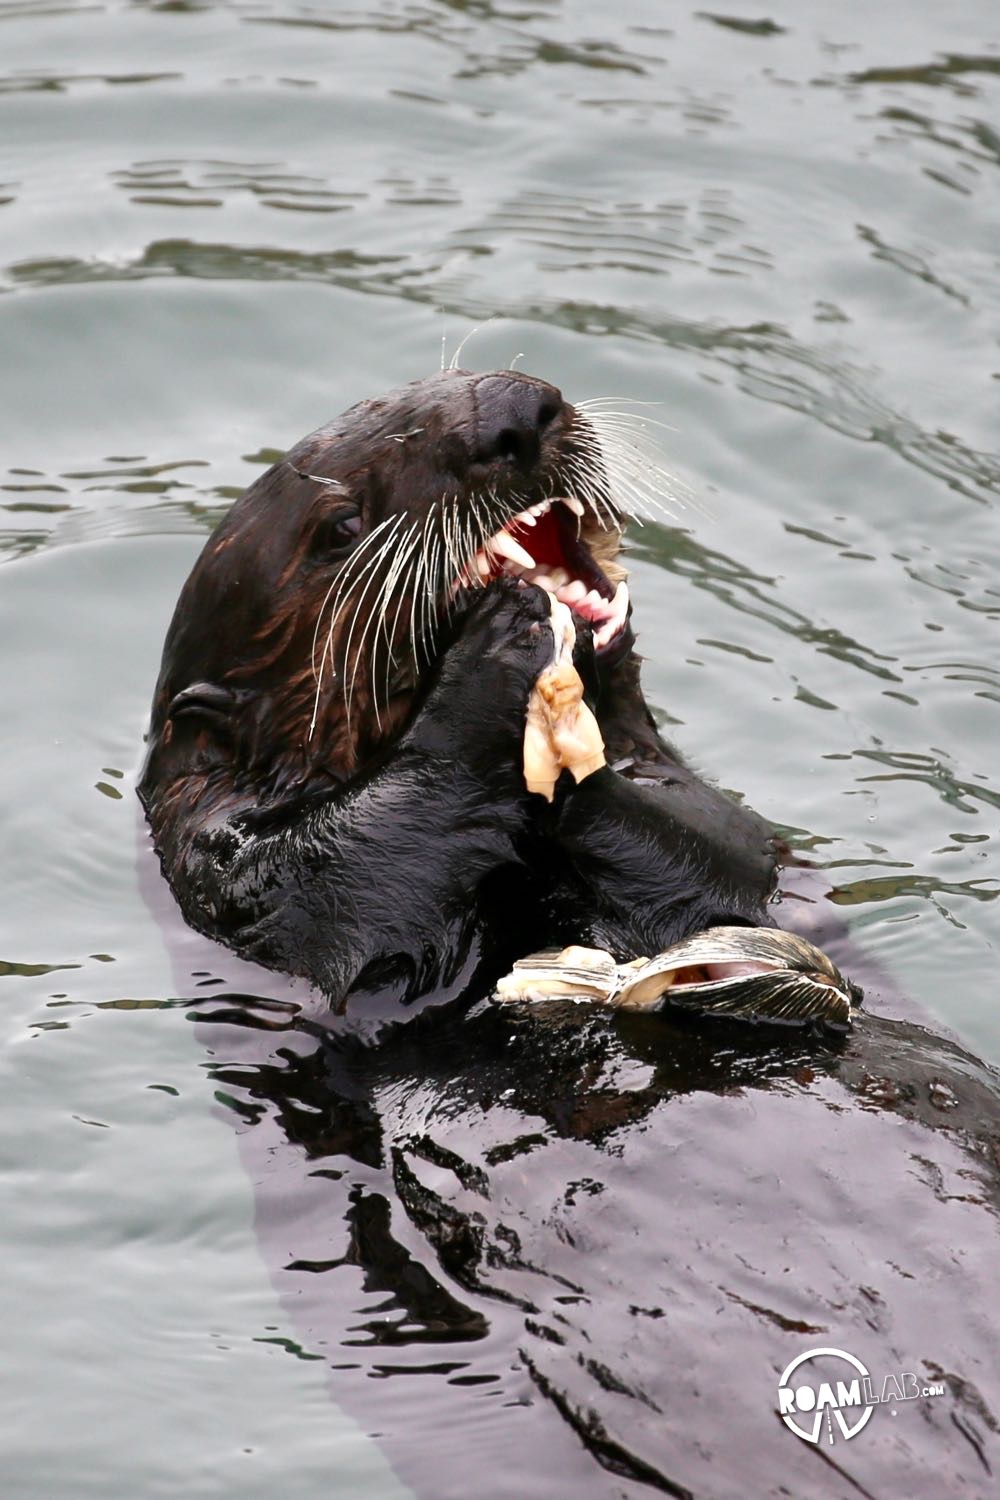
559	545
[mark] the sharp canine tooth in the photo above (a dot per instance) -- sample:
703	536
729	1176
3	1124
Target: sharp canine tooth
524	519
611	619
482	566
573	504
505	544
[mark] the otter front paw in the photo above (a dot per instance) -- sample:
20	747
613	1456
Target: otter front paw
475	710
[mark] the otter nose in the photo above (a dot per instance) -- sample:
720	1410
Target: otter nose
512	414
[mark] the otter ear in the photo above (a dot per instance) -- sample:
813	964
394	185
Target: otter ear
203	700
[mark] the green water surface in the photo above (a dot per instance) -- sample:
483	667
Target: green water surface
220	224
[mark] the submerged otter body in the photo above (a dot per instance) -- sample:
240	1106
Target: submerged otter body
334	773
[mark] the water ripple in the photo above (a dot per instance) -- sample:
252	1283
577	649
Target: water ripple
181	257
210	184
950	72
767	361
57	83
962	794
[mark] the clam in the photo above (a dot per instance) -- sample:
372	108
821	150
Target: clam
746	973
560	731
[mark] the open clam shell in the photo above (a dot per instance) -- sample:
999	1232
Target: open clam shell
749	973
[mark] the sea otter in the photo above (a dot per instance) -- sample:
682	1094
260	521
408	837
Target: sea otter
334	776
537	1246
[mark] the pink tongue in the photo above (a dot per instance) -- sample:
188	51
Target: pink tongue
735	970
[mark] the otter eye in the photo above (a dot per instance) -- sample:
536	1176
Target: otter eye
337	532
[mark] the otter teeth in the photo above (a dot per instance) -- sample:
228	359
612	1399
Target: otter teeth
549	579
505	544
616	619
573	504
532	513
605	616
572	592
530	516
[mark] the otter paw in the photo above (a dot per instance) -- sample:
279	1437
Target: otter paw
507	613
504	640
475	711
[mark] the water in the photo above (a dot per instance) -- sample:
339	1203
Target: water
221	224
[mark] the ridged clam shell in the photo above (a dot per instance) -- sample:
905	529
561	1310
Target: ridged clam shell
796	983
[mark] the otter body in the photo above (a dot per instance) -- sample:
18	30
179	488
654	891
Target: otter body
334	773
591	1240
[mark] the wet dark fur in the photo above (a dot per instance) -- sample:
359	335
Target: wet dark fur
399	837
583	1244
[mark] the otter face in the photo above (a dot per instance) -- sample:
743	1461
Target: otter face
317	610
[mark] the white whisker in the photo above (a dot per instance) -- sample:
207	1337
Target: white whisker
631	462
338	586
332	484
431	597
372	575
399	584
453	363
405	584
380	608
418	582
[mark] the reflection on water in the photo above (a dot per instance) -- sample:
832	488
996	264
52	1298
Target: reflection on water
225	222
208	185
544	1210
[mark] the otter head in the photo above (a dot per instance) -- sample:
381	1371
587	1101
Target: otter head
316	611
